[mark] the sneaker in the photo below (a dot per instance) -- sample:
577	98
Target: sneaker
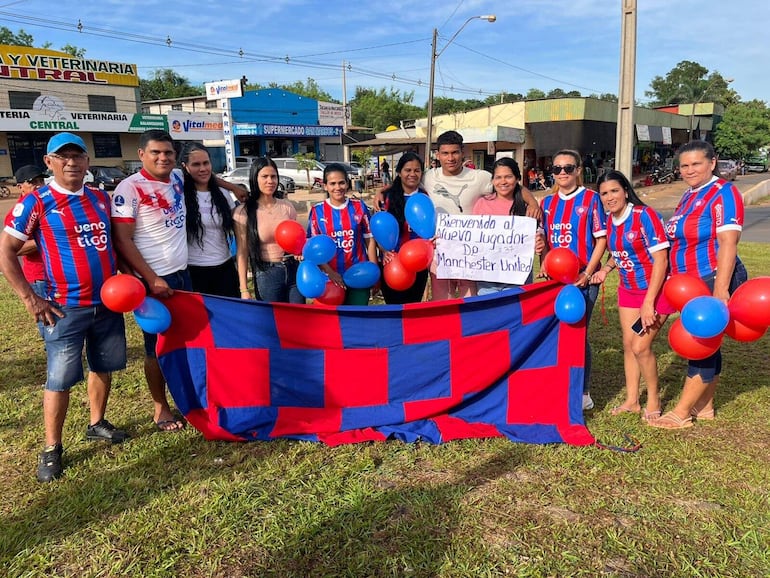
105	431
49	465
588	403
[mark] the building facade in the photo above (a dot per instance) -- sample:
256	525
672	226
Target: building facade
45	91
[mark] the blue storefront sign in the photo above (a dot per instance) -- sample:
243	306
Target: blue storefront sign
285	130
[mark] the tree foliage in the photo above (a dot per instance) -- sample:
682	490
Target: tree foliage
745	128
381	108
20	38
310	89
535	94
165	83
306	162
74	51
690	82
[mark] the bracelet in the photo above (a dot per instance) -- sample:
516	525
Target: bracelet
244	290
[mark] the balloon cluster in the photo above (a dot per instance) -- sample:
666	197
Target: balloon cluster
415	255
704	320
124	293
562	265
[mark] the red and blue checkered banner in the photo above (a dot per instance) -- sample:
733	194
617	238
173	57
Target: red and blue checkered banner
491	366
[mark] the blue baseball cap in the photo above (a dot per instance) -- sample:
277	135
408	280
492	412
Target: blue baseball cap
63	139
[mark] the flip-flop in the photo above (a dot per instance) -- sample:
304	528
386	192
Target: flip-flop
617	410
671	421
648	415
163	424
704	414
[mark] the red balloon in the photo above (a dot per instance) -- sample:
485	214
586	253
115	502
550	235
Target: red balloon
397	276
416	255
562	265
290	236
750	304
689	346
122	293
681	288
741	332
333	294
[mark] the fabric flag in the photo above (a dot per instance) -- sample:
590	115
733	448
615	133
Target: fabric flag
489	366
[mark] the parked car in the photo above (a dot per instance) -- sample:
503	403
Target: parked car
107	178
240	176
89	180
756	164
288	166
728	169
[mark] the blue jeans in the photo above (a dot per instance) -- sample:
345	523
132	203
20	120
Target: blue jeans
277	283
590	293
102	331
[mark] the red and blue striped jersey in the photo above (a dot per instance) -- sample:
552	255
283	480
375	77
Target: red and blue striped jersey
574	221
348	225
700	215
72	232
632	240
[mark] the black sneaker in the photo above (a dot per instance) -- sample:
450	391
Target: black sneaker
105	431
49	466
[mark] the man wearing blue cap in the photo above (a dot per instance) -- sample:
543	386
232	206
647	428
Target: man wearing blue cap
71	225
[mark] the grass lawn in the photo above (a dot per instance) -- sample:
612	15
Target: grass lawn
694	502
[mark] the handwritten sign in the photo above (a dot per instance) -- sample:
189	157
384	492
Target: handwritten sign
485	247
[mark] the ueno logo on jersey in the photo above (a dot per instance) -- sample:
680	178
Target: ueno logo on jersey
344	239
92	235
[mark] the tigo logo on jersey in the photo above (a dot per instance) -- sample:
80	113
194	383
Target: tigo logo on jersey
92	235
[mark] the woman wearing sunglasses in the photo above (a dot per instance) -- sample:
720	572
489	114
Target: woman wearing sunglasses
573	218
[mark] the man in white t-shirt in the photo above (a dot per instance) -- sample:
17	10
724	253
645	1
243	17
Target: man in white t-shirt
454	189
148	228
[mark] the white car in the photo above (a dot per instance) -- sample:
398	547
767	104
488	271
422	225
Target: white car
240	176
287	166
89	180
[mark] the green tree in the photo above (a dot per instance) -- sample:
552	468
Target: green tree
306	162
379	109
74	50
745	127
362	157
503	97
309	88
534	94
608	96
690	82
20	38
165	83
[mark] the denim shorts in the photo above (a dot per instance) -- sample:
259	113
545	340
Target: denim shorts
178	280
104	335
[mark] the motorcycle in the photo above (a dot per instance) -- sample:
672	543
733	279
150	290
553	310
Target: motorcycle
659	176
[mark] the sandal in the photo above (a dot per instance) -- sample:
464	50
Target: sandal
704	414
671	421
617	410
650	415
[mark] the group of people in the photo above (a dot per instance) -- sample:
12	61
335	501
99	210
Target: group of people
186	229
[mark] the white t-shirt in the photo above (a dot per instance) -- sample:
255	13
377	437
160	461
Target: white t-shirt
215	249
458	193
157	209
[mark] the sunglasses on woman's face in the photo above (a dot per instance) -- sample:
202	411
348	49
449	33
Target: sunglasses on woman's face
569	169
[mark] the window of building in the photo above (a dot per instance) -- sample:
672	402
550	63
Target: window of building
106	145
22	100
176	107
101	103
212	103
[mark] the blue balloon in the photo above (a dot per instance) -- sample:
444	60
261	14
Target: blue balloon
362	275
705	316
319	249
152	316
570	305
311	281
421	215
385	230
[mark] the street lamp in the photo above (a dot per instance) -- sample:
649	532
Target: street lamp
433	57
700	98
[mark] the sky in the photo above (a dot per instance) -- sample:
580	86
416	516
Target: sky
544	44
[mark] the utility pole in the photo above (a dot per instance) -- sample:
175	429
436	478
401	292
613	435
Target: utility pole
345	149
624	141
